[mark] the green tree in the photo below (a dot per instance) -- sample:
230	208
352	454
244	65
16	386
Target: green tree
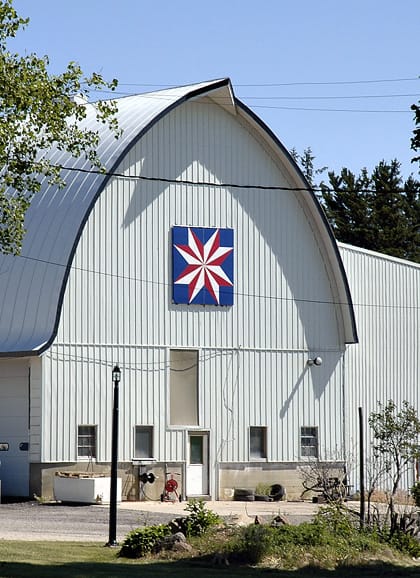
307	165
38	110
380	211
395	446
415	141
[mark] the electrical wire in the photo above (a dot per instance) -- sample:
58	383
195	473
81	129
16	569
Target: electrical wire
274	107
344	96
227	185
236	293
303	83
155	366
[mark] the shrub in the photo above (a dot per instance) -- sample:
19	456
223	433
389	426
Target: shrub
405	543
200	519
256	543
330	538
263	489
415	492
143	541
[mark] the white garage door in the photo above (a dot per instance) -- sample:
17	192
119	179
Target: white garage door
14	455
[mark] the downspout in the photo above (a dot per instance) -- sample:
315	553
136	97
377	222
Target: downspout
343	394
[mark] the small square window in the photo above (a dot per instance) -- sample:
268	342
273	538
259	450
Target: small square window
86	441
309	441
257	442
143	443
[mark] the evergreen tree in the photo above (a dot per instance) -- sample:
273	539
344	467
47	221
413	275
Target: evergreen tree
380	212
306	164
415	141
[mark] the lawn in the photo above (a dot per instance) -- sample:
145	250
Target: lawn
87	560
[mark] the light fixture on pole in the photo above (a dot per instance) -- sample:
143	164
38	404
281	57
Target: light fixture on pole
112	540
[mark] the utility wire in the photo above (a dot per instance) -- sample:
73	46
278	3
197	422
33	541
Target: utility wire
158	96
213	184
236	293
333	82
345	96
273	107
319	83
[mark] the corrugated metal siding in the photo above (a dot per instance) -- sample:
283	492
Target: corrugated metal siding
237	389
253	355
30	285
281	285
386	363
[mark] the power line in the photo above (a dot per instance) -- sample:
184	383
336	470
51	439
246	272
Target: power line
158	96
345	96
236	293
360	110
189	182
334	82
303	83
278	107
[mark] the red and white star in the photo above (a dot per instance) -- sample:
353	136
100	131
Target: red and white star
204	265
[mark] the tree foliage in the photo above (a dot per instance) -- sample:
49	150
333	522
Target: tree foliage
380	211
307	165
415	141
395	445
38	110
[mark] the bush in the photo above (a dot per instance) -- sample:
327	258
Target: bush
256	543
263	489
405	543
143	541
199	520
415	492
331	538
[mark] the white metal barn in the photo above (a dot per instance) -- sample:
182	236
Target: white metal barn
206	270
385	365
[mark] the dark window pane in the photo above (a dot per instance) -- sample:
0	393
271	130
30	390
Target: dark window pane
196	449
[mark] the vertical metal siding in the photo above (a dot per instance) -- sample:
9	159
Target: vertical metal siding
386	363
253	356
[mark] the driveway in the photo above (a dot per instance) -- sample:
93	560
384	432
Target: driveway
54	521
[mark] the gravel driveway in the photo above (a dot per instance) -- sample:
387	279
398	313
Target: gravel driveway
35	521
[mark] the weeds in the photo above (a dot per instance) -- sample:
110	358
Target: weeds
331	540
143	541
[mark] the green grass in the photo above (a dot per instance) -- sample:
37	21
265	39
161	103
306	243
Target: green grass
86	560
330	546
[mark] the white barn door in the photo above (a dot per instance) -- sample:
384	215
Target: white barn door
14	436
198	464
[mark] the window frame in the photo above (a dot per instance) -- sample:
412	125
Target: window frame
262	453
173	419
93	435
305	448
146	429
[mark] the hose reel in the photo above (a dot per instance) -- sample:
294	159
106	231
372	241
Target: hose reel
147	478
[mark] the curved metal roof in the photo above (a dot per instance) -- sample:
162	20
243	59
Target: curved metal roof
32	285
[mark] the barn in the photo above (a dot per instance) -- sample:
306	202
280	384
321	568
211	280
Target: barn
203	266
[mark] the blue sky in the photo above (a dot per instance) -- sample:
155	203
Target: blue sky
293	63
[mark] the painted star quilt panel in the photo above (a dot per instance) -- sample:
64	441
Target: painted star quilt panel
202	265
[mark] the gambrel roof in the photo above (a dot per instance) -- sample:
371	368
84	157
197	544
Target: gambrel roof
32	285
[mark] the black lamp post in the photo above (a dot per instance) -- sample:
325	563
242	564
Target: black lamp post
112	541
